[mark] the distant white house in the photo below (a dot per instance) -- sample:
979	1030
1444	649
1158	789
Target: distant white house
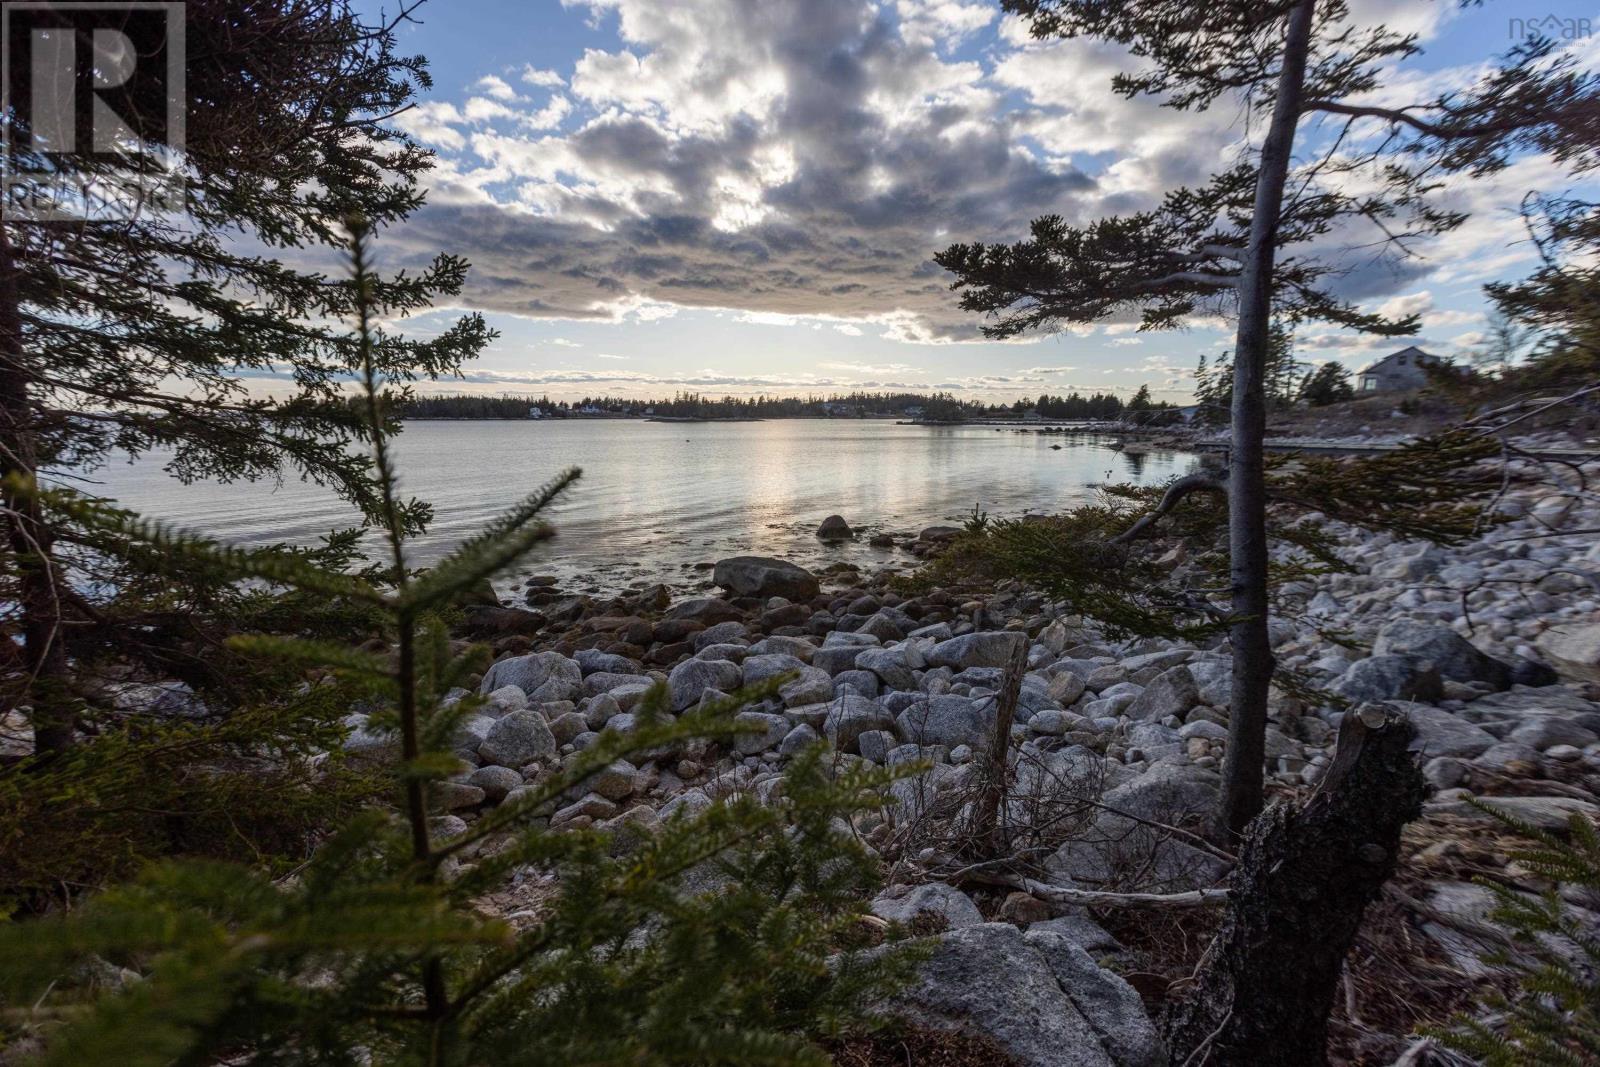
914	411
1405	369
535	412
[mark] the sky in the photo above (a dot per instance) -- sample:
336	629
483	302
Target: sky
744	196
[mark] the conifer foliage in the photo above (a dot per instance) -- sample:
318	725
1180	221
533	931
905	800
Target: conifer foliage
1553	1017
377	951
139	334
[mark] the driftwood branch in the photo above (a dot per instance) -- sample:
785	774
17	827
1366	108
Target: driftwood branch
1063	896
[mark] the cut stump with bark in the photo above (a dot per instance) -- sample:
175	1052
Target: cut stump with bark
1296	897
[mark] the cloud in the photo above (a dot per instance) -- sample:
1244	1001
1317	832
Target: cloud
433	122
869	368
941	23
799	159
1398	307
544	79
496	87
550	116
798	163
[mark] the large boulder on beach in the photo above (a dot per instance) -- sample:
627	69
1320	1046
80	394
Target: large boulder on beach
1389	678
888	664
989	649
949	904
948	720
1040	996
1573	649
834	528
851	716
690	679
758	669
1121	849
707	611
759	576
1442	733
517	740
1451	654
535	672
1173	692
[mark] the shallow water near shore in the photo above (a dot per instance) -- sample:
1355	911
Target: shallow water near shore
658	498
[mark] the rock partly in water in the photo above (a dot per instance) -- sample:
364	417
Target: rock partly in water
760	576
834	528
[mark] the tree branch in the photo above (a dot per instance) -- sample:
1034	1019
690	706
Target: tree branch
1201	482
1399	115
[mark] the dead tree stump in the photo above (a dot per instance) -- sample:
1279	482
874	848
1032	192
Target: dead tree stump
986	831
1304	878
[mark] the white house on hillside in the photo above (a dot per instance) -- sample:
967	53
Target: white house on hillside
1405	369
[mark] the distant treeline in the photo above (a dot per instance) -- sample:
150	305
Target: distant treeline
938	407
468	407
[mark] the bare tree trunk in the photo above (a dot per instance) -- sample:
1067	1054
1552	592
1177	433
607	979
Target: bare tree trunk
41	681
1295	903
1247	524
986	817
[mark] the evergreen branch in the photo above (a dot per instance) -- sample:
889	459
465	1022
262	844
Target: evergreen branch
506	540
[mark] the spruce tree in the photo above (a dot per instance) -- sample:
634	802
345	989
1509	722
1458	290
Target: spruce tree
1328	384
724	937
1559	304
142	333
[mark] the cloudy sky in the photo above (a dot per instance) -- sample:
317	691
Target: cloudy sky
743	196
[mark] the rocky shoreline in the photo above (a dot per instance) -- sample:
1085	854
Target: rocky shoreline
1492	649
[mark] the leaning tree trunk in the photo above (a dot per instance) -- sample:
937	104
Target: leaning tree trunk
1295	903
41	681
1247	505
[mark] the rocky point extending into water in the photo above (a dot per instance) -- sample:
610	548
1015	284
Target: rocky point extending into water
1492	648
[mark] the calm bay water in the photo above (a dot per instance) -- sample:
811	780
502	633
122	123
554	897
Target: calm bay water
657	498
